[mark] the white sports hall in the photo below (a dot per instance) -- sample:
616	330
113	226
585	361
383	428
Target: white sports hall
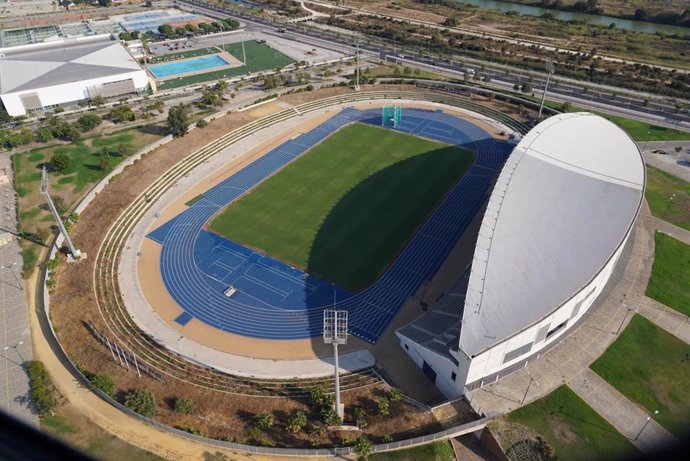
557	221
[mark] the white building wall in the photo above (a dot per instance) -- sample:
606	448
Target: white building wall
490	362
443	366
69	92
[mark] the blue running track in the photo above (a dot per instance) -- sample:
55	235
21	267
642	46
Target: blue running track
276	301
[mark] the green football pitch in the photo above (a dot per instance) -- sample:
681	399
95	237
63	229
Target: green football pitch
346	208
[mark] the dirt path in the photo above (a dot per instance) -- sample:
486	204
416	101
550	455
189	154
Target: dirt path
121	425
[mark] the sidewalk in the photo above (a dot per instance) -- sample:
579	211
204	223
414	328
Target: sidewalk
627	417
15	339
674	231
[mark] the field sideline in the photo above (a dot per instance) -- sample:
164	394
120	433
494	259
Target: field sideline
347	207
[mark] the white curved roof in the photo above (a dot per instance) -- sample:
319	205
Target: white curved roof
562	205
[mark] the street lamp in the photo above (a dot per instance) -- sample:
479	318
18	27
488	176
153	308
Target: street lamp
531	379
649	418
624	319
644	147
19	284
15	348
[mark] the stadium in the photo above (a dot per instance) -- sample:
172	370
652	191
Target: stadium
308	241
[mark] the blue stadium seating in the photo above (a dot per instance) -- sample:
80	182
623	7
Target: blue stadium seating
276	301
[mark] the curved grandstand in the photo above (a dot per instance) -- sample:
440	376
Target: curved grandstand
277	301
555	226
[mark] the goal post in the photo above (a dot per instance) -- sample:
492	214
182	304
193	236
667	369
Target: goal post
391	116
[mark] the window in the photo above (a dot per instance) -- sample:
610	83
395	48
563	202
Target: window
453	375
541	334
555	330
515	353
406	347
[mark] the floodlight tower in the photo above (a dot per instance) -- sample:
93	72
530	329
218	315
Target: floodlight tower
357	68
549	71
76	254
335	332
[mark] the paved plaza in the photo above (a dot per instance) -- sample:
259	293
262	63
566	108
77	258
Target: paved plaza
15	339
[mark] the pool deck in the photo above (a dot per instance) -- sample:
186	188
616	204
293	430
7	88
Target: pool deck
233	63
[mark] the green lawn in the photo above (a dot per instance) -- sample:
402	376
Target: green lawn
641	131
668	197
573	428
437	451
652	368
347	207
67	186
670	280
260	58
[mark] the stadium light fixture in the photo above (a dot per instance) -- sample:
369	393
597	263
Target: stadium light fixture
335	332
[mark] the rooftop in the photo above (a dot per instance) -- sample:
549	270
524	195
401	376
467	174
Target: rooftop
49	65
563	203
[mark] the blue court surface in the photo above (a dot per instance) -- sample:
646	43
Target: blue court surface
276	301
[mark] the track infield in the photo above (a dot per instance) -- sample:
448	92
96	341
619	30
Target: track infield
361	193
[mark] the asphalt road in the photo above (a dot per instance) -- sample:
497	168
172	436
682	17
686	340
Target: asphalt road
626	103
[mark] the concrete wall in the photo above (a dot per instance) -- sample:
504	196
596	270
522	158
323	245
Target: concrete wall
443	366
69	92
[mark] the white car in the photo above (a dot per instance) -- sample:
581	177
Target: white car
229	291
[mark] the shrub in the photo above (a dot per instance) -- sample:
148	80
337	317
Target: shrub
201	123
363	447
60	161
184	405
384	406
142	401
360	417
264	420
296	422
103	382
42	392
394	395
330	417
88	122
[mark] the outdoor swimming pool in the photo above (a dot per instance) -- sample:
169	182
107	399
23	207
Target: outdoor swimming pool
187	65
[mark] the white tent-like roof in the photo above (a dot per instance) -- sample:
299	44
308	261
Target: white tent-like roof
45	66
563	204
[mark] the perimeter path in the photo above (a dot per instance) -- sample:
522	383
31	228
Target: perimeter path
15	339
675	163
569	361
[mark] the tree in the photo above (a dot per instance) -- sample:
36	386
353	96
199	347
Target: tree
122	113
363	447
178	121
191	28
526	88
126	36
105	2
4	116
142	401
88	122
43	134
148	4
179	31
60	162
103	162
166	29
270	83
184	405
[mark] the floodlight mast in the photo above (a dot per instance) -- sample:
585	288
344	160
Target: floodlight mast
335	332
549	71
76	254
357	67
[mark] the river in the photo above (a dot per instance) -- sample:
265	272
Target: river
638	26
